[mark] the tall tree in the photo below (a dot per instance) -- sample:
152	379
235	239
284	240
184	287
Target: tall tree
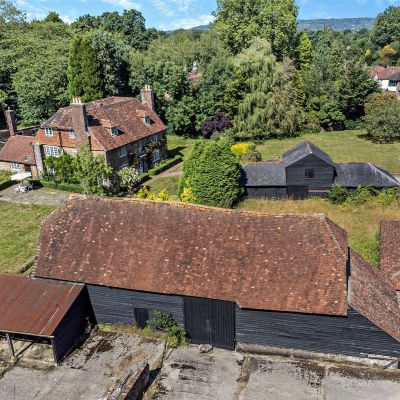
9	12
387	55
239	21
53	16
304	52
387	27
84	73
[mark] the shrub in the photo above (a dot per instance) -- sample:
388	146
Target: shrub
338	195
362	195
213	173
218	123
247	152
176	335
164	165
67	187
145	193
127	179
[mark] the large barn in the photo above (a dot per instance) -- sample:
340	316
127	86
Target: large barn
227	276
305	170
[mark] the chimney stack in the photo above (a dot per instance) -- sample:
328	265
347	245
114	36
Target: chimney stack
79	122
147	97
11	122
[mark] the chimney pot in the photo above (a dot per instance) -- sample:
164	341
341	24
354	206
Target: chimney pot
147	96
11	121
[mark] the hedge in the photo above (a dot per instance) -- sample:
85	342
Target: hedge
6	184
67	187
167	164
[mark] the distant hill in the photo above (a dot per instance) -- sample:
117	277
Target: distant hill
341	24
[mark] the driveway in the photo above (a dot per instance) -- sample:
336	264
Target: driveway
92	372
223	375
42	196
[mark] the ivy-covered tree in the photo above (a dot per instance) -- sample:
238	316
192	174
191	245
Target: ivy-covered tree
212	175
84	72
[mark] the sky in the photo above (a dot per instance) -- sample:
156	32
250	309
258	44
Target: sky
174	14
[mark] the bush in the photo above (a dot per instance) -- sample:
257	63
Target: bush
164	165
67	187
338	195
218	123
213	174
144	193
362	195
176	335
247	152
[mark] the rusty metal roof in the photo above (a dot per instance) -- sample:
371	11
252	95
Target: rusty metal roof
34	306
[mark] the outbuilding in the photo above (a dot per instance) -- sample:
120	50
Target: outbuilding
40	311
227	276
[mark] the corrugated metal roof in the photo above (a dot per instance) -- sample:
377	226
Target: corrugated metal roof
34	306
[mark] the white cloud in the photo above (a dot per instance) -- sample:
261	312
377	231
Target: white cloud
188	23
126	4
170	8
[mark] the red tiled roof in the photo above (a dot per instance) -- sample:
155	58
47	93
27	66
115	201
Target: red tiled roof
390	250
386	73
373	295
18	149
120	112
34	306
284	263
374	71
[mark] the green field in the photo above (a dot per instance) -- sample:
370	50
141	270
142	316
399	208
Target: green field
19	233
346	146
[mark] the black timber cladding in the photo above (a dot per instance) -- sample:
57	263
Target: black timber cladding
352	336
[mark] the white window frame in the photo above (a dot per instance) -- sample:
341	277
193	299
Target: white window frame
71	134
48	132
156	156
122	152
15	166
52	151
114	131
154	139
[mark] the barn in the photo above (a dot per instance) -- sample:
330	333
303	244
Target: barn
305	170
40	311
227	276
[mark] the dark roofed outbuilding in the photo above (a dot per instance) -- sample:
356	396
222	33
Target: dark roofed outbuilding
302	150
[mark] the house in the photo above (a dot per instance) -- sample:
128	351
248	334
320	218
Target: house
124	130
228	277
390	251
387	78
17	155
40	311
306	170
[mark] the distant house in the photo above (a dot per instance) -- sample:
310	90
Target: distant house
306	170
17	155
387	78
126	131
390	251
229	277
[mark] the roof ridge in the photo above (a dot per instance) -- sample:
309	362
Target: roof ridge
328	222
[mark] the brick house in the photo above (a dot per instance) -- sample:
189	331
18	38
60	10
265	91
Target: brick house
126	131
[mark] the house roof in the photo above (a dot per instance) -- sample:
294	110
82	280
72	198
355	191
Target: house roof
287	263
387	72
374	71
18	149
264	174
303	150
390	250
124	113
395	77
34	306
356	174
373	295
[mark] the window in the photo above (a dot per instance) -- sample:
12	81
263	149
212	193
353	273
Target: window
114	131
122	152
154	138
310	174
147	120
156	156
71	133
51	151
15	167
141	151
51	171
393	83
141	167
48	132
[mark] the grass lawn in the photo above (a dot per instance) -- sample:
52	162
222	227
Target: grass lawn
361	223
345	146
4	175
178	145
170	183
19	232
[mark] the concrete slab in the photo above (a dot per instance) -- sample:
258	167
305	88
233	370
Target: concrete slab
42	196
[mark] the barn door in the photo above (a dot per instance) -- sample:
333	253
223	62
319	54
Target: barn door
141	317
210	322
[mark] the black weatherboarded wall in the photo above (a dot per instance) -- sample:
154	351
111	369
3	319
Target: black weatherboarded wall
352	336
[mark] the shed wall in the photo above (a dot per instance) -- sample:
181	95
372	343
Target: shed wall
350	336
324	173
111	305
267	192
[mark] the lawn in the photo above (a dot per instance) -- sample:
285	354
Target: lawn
345	146
361	223
178	145
19	232
169	182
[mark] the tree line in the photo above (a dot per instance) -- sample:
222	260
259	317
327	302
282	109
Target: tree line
252	75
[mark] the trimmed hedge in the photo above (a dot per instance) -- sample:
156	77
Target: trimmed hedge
167	164
66	187
6	184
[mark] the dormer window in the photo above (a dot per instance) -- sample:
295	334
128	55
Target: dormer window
71	134
114	131
147	120
48	132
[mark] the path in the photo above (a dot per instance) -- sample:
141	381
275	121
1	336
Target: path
176	170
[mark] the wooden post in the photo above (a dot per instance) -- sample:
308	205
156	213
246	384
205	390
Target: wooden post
10	345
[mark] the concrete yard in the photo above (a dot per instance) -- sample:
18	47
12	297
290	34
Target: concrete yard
223	375
42	196
91	373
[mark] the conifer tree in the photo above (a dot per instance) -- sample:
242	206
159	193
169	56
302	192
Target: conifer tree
304	52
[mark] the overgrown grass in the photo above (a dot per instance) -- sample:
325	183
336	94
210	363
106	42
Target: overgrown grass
345	146
361	223
19	233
